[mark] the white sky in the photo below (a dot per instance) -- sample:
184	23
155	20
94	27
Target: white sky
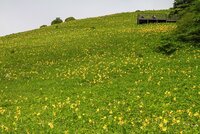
22	15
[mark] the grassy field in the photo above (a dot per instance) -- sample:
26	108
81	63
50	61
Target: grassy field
98	75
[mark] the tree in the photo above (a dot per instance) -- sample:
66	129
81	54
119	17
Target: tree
69	19
43	26
188	28
56	21
180	6
182	3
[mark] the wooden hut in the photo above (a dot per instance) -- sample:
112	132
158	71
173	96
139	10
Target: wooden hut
155	18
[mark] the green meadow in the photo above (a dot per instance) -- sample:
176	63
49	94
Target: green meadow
98	75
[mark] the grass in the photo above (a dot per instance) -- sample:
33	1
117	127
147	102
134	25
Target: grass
98	75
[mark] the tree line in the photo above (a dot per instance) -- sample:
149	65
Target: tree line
58	20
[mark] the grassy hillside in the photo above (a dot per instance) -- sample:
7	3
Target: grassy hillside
98	75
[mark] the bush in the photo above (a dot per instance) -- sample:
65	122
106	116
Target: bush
167	49
43	26
137	11
69	19
56	21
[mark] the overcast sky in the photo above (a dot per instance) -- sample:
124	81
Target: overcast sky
22	15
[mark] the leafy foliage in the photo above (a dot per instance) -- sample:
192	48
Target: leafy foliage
43	26
180	6
188	29
69	19
56	21
182	3
167	48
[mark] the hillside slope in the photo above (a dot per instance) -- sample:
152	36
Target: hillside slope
98	75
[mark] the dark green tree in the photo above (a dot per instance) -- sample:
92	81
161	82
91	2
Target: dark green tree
182	3
180	6
188	27
69	19
43	26
56	21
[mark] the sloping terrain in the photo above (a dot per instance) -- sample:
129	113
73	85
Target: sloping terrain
98	75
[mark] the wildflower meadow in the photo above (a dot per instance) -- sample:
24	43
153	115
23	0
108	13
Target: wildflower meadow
98	75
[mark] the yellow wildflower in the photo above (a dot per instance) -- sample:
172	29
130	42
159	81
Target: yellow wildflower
51	125
105	127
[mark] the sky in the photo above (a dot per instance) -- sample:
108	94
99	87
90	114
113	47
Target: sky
23	15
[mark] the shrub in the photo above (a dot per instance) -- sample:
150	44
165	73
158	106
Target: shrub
69	19
43	26
137	11
168	45
167	48
56	21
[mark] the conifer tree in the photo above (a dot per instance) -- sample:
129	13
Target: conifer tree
188	27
